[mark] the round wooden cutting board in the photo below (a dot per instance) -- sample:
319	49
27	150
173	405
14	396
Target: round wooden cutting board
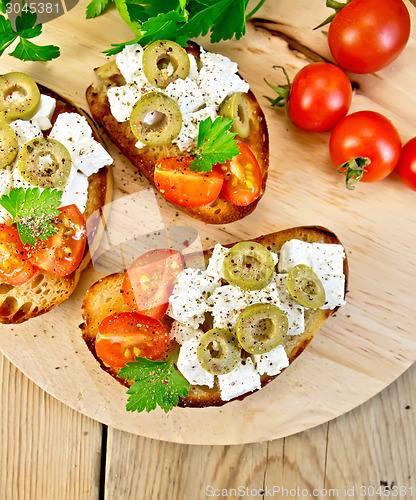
357	353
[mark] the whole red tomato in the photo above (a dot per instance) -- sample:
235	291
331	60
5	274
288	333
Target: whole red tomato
407	164
367	35
320	97
365	139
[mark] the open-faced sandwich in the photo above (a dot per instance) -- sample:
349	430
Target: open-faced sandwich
189	123
181	335
54	174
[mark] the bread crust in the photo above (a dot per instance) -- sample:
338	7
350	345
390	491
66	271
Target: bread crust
220	211
105	298
45	291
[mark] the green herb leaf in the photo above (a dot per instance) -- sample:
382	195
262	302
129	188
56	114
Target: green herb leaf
33	211
96	7
26	28
156	383
216	144
165	26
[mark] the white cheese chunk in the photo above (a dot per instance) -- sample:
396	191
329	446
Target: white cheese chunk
73	131
43	116
193	67
228	302
76	190
122	100
216	262
25	131
187	95
334	291
189	365
272	362
18	180
181	332
129	61
293	253
241	380
186	140
295	312
327	258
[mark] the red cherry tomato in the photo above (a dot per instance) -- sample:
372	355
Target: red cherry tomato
367	35
123	336
366	134
15	268
320	97
178	183
62	253
149	281
407	164
243	178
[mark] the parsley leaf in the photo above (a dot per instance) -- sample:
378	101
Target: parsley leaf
96	7
156	383
33	211
216	144
26	28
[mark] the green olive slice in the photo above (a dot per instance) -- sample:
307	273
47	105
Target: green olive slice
249	266
8	145
165	61
261	327
236	108
45	162
19	96
155	119
305	287
218	351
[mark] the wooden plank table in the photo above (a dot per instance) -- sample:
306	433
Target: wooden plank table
48	451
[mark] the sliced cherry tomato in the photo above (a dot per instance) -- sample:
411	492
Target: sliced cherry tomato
365	135
407	164
149	281
178	183
320	97
15	268
123	336
62	253
243	179
367	35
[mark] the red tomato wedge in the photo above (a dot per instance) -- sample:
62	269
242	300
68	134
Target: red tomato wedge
62	253
407	164
178	183
15	268
243	178
123	336
149	281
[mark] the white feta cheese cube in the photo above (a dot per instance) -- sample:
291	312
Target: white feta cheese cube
129	61
76	190
327	258
181	332
292	253
334	291
186	140
196	279
193	67
43	116
188	308
244	378
74	132
216	262
25	131
295	312
122	100
187	95
189	365
272	362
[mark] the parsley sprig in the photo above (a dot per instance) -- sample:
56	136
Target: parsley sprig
178	20
156	383
26	28
215	144
34	212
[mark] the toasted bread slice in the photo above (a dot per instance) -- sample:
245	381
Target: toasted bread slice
220	211
45	291
105	298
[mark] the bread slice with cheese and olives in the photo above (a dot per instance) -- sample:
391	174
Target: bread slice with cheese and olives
209	86
291	249
89	186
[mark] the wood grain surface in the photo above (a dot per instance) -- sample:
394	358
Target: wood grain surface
358	353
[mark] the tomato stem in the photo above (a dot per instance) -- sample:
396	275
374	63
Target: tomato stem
337	6
354	170
283	93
